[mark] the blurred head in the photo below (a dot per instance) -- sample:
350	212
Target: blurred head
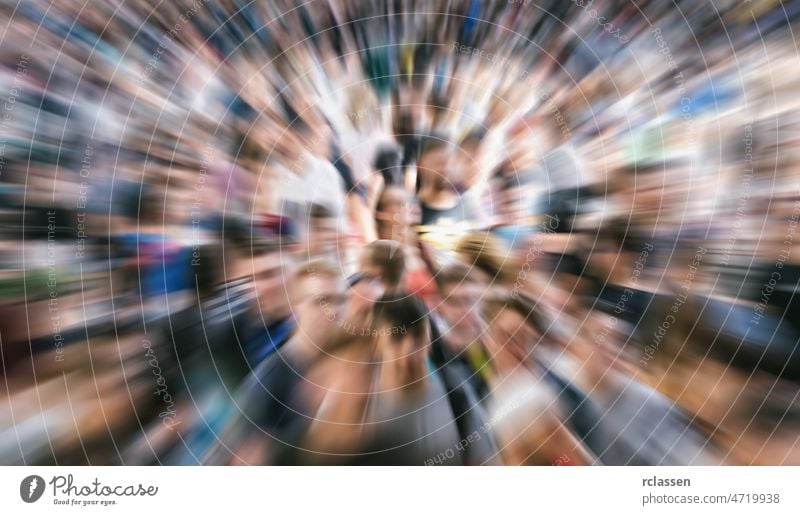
434	165
510	188
270	272
323	232
512	331
385	260
403	336
445	166
461	289
396	212
389	163
318	296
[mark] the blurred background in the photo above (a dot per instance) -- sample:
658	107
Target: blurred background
399	232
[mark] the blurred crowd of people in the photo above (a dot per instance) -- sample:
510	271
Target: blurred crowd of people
399	232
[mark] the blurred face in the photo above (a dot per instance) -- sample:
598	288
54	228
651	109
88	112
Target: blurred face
456	167
435	169
323	237
463	168
434	162
269	275
318	305
510	338
459	308
399	211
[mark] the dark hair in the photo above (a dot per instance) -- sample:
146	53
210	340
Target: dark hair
402	310
390	258
387	158
403	127
389	163
319	212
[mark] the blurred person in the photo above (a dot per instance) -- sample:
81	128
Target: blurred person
160	260
396	214
389	164
718	387
360	194
405	133
208	335
457	376
459	327
396	217
413	421
461	289
625	421
271	321
273	413
310	178
337	389
212	351
445	173
527	418
721	378
317	294
324	237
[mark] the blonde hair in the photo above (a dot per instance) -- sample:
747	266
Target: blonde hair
486	252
